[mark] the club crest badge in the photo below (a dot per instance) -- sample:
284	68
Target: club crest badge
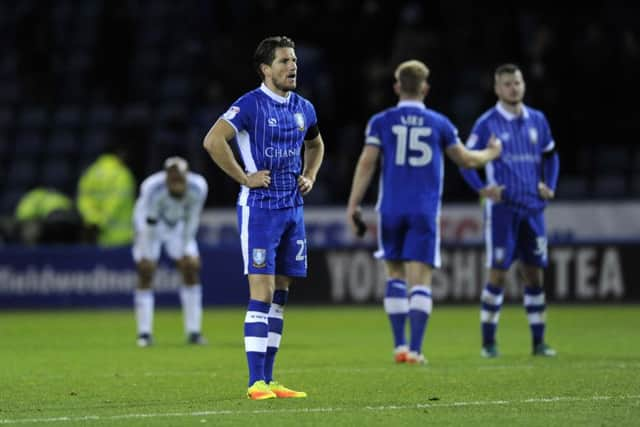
533	135
299	118
259	257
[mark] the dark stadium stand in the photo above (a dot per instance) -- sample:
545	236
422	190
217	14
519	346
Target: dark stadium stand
75	73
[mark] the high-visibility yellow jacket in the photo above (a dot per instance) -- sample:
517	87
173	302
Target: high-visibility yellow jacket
38	203
106	194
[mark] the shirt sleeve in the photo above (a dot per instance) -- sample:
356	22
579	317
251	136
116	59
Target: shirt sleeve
477	140
311	115
547	142
372	134
147	205
145	217
472	178
479	137
449	134
551	168
240	113
194	209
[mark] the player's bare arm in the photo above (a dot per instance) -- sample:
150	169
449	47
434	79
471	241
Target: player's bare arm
466	158
366	167
313	154
216	144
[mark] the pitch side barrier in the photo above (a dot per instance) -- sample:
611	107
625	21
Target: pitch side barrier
81	276
581	272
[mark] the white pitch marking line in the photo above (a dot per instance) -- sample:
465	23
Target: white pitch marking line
312	410
339	370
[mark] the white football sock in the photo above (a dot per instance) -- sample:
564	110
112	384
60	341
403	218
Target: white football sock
143	302
191	298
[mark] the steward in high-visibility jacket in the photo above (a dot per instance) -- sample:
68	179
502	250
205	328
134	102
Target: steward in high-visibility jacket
38	203
106	194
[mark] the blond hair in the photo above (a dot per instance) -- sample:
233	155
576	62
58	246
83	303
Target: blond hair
410	75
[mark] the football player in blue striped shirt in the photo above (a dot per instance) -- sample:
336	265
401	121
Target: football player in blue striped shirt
271	125
411	139
517	188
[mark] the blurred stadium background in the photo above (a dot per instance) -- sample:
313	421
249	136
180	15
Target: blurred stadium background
76	75
155	74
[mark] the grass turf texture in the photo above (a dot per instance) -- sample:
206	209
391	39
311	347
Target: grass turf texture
83	368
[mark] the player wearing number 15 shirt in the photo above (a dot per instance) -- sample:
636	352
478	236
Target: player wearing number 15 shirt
411	140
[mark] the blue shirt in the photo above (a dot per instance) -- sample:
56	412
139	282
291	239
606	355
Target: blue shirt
270	131
519	168
412	139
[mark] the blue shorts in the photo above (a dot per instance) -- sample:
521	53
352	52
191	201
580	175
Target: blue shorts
511	235
273	241
409	237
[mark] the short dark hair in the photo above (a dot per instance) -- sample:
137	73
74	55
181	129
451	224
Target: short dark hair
506	69
266	51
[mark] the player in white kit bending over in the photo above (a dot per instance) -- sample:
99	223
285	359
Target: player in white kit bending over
167	213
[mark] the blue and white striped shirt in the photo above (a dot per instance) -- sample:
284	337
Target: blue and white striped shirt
519	168
412	139
270	131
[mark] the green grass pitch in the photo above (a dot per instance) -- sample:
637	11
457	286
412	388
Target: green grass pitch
83	368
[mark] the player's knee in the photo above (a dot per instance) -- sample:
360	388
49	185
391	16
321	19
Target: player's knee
531	276
189	267
533	280
396	270
191	277
261	287
146	269
189	263
283	282
497	277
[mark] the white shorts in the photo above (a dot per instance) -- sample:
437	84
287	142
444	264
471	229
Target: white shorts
171	239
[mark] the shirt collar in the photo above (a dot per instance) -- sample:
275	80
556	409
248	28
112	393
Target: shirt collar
271	94
411	103
509	115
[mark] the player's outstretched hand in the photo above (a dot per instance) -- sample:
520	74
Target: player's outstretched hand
259	179
304	184
545	192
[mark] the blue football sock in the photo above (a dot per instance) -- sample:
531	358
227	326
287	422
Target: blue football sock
256	328
492	297
534	303
420	305
396	305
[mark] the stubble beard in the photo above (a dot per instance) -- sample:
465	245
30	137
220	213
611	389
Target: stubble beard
284	87
513	101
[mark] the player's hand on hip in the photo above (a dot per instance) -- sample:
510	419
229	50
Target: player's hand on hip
304	184
545	192
493	192
259	179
